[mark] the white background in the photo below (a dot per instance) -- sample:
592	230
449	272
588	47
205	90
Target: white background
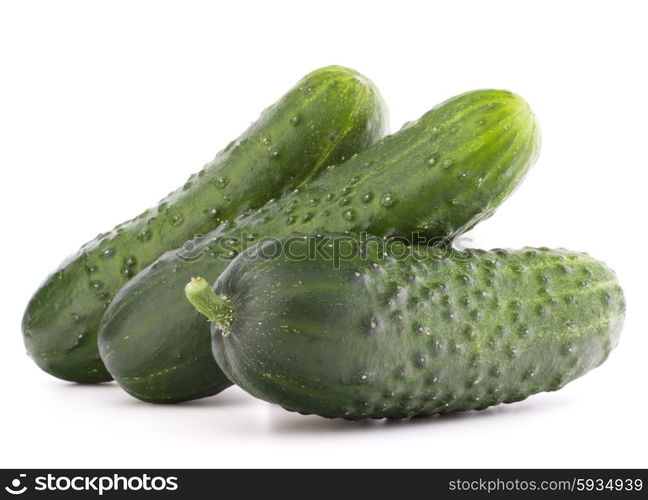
107	106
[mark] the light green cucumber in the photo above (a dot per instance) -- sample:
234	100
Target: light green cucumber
437	177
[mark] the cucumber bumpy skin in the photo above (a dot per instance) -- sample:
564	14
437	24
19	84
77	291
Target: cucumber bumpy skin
331	113
423	334
438	176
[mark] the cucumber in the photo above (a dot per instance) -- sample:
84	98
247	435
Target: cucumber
436	177
330	114
400	332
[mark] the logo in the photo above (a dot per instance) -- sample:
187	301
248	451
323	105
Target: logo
15	488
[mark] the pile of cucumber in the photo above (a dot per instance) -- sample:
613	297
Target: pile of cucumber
336	288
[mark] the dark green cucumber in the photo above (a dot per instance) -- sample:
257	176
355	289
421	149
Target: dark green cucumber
408	331
330	114
438	176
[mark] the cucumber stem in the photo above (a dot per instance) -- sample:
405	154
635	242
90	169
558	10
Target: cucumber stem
216	308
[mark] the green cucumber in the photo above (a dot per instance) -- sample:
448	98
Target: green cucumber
330	114
407	331
438	176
